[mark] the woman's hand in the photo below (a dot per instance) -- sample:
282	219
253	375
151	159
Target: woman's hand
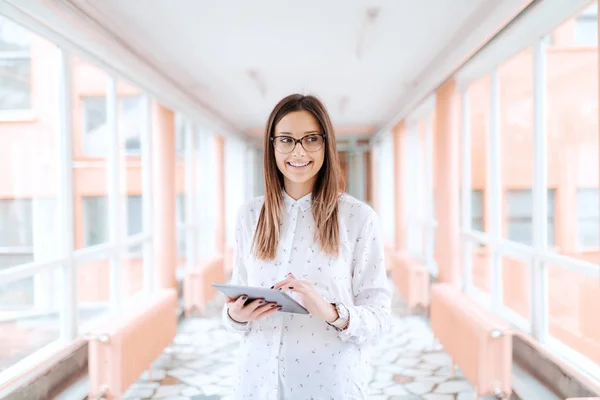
310	298
253	311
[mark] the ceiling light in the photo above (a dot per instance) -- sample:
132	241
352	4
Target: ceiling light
258	81
365	35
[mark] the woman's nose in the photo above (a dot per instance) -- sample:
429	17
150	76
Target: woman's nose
298	149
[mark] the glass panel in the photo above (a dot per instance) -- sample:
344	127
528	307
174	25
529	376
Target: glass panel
516	286
477	210
572	122
519	216
516	132
28	149
93	288
181	234
588	217
95	133
481	268
479	105
90	148
132	272
573	305
29	316
16	44
95	222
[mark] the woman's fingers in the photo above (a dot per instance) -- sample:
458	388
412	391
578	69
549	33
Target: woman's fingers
266	309
286	282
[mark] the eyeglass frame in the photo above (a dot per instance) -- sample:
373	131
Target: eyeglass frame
296	141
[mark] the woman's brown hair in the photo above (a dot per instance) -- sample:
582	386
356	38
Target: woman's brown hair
326	191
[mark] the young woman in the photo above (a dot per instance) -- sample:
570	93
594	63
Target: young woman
323	247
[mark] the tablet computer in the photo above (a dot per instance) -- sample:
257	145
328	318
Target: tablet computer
287	303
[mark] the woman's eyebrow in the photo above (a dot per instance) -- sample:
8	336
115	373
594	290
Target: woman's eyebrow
288	133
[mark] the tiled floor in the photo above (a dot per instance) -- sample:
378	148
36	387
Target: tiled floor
407	364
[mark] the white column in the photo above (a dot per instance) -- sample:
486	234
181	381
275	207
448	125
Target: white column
147	203
428	200
494	184
66	217
115	200
539	273
190	198
467	245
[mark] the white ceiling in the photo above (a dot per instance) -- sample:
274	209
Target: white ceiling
237	58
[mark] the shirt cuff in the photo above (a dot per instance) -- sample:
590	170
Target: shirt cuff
235	325
353	321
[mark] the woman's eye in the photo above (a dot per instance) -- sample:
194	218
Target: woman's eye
285	140
312	139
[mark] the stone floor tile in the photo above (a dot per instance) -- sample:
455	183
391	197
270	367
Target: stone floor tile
419	387
396	390
454	386
436	396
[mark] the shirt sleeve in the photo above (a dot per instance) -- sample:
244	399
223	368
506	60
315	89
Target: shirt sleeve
369	316
239	275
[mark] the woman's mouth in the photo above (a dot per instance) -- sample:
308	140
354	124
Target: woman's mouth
298	165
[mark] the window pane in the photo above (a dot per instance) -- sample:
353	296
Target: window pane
95	222
572	148
130	123
180	214
93	288
573	305
520	231
15	66
586	27
479	112
95	133
519	216
91	139
588	203
481	268
132	272
134	215
16	223
28	150
28	320
516	286
516	132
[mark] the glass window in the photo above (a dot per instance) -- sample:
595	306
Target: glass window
586	27
519	215
588	218
15	66
95	134
181	233
477	210
479	112
134	214
95	221
573	140
16	223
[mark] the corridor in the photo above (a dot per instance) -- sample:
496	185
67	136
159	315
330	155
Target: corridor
449	148
408	363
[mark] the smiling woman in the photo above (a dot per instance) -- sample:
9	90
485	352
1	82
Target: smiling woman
306	237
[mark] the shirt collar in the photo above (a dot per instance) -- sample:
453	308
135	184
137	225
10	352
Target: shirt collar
304	203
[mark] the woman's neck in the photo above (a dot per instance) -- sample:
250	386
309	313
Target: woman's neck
298	190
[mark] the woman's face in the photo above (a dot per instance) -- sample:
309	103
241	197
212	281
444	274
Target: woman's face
299	167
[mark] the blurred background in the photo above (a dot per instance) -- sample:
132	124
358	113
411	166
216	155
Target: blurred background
131	132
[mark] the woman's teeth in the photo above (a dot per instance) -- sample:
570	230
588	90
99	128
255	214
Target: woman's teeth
298	165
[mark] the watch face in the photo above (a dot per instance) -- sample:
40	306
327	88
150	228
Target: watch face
342	311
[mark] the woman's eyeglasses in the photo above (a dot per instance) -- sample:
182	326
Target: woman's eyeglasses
287	144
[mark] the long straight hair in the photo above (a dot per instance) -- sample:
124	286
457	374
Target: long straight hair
326	191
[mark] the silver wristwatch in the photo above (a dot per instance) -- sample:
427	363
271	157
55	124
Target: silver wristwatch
341	322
